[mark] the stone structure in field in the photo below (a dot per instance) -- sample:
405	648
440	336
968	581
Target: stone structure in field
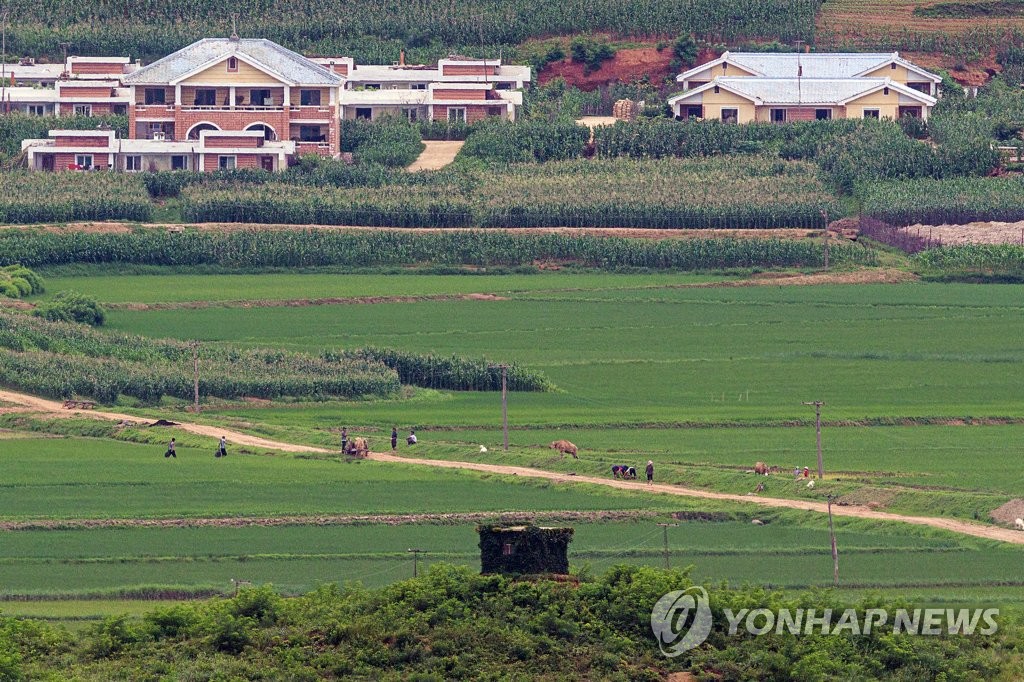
524	549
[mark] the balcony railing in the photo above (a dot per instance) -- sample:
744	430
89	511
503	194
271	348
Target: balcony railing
226	107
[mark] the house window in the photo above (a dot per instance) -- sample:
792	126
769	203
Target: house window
717	90
232	64
456	114
83	110
37	110
120	109
730	115
409	113
778	115
871	113
885	91
822	114
133	163
364	112
417	86
206	97
309	98
893	66
694	112
310	134
260	98
226	162
179	163
155	96
83	160
926	88
372	86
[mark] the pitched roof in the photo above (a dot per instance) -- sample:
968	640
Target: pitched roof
813	64
804	91
266	55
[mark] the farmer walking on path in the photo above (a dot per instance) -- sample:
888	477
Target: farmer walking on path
394	437
344	439
650	472
170	450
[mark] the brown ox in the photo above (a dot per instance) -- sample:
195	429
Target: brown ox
565	447
761	469
358	447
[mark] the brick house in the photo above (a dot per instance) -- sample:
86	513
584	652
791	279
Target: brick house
779	87
249	103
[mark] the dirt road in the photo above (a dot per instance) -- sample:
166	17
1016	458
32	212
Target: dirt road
438	154
953	525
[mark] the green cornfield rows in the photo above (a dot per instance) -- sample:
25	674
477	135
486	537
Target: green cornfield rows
29	197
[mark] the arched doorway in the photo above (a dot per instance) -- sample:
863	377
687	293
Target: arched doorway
193	132
269	134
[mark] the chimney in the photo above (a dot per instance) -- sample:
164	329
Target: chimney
401	57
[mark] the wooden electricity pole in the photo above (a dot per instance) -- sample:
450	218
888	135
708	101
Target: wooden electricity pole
817	430
824	214
416	561
195	374
664	529
504	401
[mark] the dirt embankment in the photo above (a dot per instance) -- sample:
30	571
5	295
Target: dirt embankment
626	66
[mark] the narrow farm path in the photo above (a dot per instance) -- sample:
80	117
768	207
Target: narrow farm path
438	154
953	525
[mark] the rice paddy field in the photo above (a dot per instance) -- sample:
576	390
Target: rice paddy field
922	415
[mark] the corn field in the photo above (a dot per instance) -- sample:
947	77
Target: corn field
63	360
34	197
949	201
1000	259
309	248
148	28
734	192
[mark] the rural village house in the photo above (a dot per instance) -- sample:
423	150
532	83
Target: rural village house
778	87
224	103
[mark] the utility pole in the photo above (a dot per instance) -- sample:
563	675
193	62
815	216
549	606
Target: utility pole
824	214
835	552
504	400
416	561
64	47
664	529
817	430
195	373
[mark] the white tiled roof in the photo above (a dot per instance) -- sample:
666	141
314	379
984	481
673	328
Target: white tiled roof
23	94
814	64
277	60
809	91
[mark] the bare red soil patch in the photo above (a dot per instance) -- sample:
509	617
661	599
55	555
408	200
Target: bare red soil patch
627	65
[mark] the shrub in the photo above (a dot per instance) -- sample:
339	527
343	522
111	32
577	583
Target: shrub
71	306
17	281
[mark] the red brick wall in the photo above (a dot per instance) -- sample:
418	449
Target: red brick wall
800	114
233	141
99	92
474	113
96	67
459	94
84	141
62	161
231	120
467	70
211	161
